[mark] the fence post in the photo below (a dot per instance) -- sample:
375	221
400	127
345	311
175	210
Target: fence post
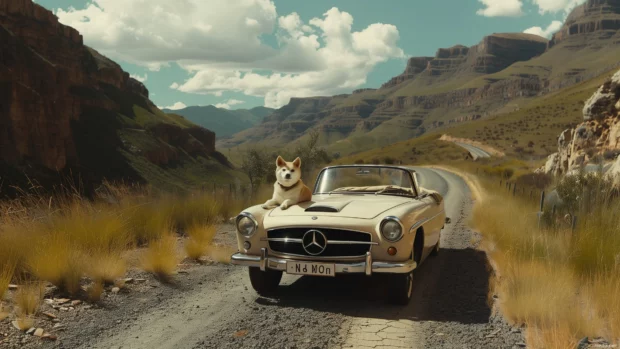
542	206
574	224
514	190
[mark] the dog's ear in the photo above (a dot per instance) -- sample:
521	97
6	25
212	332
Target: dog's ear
297	163
280	162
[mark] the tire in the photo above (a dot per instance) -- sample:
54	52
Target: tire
435	251
401	289
265	283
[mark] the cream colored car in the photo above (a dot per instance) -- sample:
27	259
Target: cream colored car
362	219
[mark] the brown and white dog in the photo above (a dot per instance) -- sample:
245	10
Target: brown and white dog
288	189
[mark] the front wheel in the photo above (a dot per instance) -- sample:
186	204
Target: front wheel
265	283
401	288
437	247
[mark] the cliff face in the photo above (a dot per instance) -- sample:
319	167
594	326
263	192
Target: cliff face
592	16
62	104
598	137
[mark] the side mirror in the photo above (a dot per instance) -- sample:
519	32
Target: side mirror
448	220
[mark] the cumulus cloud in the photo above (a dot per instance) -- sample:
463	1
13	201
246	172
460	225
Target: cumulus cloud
547	32
229	103
140	78
555	6
219	43
175	106
501	8
344	60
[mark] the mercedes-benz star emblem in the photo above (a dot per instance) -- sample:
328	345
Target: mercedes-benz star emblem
314	242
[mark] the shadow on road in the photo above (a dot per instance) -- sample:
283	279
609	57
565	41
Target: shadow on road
450	287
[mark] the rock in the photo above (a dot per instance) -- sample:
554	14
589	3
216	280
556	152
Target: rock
48	301
16	325
39	332
552	163
50	337
64	309
31	330
49	315
115	290
62	300
76	302
13	287
128	280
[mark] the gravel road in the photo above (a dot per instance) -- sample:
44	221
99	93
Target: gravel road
214	306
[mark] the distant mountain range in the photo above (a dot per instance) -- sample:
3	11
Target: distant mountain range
459	84
223	122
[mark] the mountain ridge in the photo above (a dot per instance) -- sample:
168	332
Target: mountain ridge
458	83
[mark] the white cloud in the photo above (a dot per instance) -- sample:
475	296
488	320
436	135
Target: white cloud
219	43
175	106
547	32
140	78
229	103
555	6
343	62
501	8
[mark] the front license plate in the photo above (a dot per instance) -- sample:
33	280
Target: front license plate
316	269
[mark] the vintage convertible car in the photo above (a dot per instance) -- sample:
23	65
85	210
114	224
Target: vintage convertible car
362	219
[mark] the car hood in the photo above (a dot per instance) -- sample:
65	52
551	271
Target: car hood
349	206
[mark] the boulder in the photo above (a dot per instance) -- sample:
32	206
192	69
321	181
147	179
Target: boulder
552	163
604	101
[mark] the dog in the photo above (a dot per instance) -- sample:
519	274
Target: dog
288	189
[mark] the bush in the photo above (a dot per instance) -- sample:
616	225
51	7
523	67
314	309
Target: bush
161	258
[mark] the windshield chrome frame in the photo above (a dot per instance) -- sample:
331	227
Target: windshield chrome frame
407	170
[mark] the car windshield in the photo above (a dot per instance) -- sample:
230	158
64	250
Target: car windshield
364	180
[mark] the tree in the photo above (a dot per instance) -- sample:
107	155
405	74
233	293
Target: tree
255	165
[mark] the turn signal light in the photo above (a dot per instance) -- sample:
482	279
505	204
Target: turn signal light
392	251
247	245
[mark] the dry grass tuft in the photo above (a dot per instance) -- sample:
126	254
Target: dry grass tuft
28	299
200	237
95	291
160	258
7	268
221	254
564	285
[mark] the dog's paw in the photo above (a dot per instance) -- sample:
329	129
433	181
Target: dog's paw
265	207
284	206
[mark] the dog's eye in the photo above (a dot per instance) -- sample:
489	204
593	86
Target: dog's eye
292	170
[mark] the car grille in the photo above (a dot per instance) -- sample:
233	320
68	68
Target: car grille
331	250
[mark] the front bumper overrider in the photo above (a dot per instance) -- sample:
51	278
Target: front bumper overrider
368	267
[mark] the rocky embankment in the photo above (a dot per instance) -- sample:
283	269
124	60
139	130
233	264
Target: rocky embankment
596	139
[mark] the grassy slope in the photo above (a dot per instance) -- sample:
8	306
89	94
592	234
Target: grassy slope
538	120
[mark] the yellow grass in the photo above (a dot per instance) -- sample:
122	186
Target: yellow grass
562	285
95	291
160	258
28	299
200	237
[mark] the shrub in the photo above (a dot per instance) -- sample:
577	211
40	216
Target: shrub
200	237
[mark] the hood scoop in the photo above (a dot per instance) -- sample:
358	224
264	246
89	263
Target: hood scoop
327	207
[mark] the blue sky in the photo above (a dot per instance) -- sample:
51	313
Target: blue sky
241	56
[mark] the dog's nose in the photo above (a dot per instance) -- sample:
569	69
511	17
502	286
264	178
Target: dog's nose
288	176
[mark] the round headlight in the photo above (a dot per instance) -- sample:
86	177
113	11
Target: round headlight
246	224
391	229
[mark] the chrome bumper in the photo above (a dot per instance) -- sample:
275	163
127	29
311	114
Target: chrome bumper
367	267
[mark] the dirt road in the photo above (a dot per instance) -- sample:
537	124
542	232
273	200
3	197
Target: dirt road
215	307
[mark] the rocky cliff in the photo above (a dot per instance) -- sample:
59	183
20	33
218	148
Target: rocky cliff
595	140
601	16
63	105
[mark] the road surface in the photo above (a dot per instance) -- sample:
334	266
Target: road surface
215	306
475	152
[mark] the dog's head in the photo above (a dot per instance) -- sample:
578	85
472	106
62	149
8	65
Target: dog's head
288	173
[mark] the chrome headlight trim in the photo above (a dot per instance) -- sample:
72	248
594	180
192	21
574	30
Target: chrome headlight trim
249	216
392	219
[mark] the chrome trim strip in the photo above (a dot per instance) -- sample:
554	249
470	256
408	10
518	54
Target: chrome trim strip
329	242
421	222
297	241
341	267
311	258
316	228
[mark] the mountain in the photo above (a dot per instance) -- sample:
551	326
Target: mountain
222	121
68	111
502	73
